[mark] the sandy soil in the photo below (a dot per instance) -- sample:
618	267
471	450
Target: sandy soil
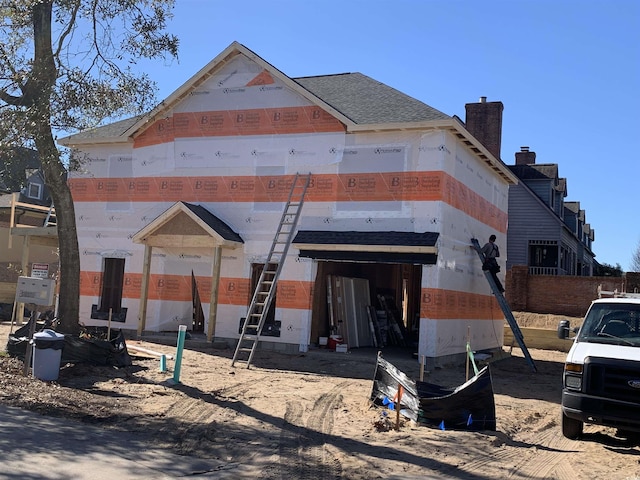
308	416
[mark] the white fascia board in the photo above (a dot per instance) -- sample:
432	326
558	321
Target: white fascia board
383	127
71	143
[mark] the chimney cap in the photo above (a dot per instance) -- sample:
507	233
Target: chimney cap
483	99
524	149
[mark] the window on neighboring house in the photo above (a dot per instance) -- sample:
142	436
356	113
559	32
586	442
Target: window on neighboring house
112	285
543	255
34	190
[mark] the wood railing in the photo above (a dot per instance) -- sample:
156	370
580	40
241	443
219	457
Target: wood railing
547	271
48	213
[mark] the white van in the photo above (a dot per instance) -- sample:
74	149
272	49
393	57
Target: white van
601	381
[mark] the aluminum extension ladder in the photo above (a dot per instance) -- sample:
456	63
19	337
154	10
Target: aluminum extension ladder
265	289
508	315
51	219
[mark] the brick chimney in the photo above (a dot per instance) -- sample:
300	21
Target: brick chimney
525	157
484	122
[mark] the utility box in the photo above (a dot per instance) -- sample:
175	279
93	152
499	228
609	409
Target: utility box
39	291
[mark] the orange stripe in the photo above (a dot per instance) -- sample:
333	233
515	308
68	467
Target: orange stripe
231	291
450	304
223	123
294	294
391	187
263	78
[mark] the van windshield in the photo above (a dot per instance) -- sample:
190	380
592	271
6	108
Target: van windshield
614	323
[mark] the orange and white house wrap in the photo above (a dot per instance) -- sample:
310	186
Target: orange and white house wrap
230	140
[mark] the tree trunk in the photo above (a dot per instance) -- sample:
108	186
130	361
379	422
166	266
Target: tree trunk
69	282
37	94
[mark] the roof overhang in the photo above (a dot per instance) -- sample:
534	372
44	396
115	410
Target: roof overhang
456	128
377	247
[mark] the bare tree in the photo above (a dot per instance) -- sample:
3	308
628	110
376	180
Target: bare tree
635	259
66	65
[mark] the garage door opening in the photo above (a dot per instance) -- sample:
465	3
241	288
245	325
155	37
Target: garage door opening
349	294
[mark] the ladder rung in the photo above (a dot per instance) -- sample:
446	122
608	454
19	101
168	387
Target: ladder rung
269	275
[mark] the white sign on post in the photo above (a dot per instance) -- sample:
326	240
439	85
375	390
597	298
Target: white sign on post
40	270
35	290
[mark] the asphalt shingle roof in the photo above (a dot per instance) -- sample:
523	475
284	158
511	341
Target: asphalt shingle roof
360	98
368	101
535	171
224	230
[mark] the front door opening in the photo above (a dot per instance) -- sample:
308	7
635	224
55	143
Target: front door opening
110	304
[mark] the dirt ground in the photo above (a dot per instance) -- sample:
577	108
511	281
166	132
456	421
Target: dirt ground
307	416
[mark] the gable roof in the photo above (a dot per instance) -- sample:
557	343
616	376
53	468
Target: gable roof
203	222
353	98
572	206
359	102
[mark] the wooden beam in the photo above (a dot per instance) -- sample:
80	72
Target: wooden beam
174	241
35	231
45	241
18	311
213	300
144	289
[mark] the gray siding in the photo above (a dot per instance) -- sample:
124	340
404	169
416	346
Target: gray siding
528	220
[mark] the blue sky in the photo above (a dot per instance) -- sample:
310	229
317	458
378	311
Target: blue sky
567	71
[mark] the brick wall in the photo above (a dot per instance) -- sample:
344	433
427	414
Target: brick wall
560	295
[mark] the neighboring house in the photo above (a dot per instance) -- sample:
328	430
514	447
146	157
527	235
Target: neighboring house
176	210
546	233
27	223
15	165
35	190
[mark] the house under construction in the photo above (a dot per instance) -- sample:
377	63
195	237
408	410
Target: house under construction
177	212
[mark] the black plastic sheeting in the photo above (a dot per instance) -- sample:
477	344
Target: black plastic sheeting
92	350
469	406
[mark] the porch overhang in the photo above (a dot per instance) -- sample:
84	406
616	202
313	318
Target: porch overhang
184	225
370	247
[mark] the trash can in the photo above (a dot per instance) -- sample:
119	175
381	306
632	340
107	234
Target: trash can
47	354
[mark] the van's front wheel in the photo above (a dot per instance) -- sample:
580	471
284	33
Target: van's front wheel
571	428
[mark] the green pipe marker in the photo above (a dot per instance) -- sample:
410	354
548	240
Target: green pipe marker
163	363
182	333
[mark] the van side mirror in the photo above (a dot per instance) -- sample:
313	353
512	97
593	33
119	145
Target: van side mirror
563	329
